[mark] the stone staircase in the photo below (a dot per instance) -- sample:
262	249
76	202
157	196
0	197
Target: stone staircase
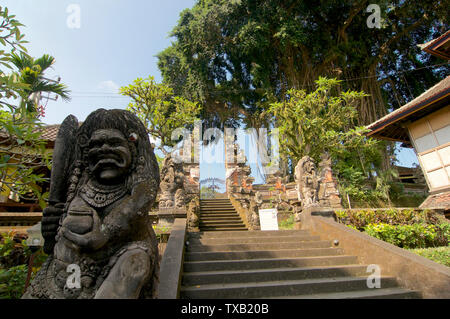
219	215
273	264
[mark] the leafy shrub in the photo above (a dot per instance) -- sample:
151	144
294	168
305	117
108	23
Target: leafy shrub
407	228
14	257
405	236
440	255
287	223
361	218
12	282
13	251
443	234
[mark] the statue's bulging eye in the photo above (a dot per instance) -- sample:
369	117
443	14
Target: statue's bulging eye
133	137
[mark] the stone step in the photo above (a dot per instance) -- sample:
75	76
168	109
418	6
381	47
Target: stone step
218	210
214	200
227	224
217	214
274	274
282	288
245	239
375	293
246	264
231	219
216	205
221	221
213	206
222	218
212	215
251	233
257	246
279	253
229	205
203	226
240	228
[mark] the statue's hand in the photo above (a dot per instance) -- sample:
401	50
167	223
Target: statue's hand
92	240
49	226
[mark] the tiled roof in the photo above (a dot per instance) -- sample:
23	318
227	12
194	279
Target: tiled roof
441	200
439	46
435	93
50	132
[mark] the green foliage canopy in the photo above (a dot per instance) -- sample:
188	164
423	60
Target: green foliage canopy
22	151
160	109
31	72
231	54
318	122
323	122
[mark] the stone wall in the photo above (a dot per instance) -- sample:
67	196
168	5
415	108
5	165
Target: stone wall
277	193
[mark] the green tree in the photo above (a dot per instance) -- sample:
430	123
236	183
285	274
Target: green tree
31	72
160	109
12	40
324	121
319	121
22	151
232	54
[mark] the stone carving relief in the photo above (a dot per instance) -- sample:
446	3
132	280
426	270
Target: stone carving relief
329	195
172	184
307	181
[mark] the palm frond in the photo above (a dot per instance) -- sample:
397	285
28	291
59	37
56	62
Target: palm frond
22	60
44	61
56	88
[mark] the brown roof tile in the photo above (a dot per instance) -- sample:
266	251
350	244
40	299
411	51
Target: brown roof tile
50	132
437	92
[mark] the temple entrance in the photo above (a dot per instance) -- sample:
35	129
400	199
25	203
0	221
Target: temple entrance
211	188
212	169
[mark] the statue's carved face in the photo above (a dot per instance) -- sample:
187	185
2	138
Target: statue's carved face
109	155
309	167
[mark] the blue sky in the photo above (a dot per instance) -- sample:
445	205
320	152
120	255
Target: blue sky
117	42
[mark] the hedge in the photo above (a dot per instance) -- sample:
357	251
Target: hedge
405	228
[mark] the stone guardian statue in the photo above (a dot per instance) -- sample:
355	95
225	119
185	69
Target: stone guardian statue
307	181
97	230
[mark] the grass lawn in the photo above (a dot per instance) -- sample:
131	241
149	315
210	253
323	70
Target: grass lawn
440	255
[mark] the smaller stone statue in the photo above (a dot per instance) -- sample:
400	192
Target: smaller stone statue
258	199
193	214
172	184
329	195
307	181
253	212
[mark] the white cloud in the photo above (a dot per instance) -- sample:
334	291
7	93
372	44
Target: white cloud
108	86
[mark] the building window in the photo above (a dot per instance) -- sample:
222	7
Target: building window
431	140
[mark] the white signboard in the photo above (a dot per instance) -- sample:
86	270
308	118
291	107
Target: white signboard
268	219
